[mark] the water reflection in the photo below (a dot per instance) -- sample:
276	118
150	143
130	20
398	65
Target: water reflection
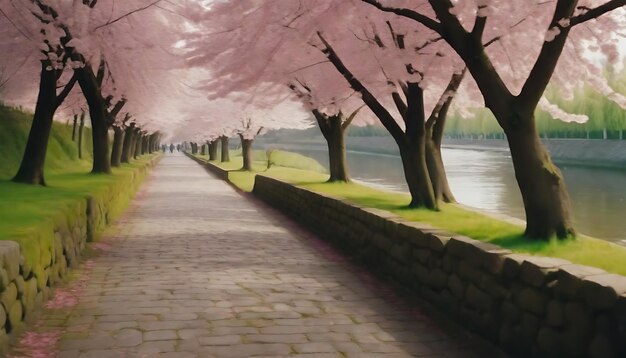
485	180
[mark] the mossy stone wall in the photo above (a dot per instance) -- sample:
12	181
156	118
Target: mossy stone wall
528	305
23	286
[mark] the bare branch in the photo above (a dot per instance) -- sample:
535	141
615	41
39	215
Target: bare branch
596	12
350	118
66	90
127	14
421	18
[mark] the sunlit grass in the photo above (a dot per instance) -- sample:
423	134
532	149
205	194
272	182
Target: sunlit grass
451	217
28	213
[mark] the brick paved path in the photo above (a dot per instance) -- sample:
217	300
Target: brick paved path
195	269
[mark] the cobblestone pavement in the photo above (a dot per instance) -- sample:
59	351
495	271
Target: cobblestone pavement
195	269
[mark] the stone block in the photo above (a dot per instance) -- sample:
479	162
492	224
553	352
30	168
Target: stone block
19	284
401	252
508	337
489	284
602	291
530	328
550	341
456	286
9	296
437	241
468	271
10	257
4	279
578	322
569	279
15	314
601	347
477	298
381	241
422	255
512	264
460	246
537	271
414	232
3	317
450	263
438	279
422	273
532	300
510	312
555	313
30	293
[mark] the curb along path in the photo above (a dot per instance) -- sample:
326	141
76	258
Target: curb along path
197	270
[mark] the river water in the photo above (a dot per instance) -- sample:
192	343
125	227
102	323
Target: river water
484	179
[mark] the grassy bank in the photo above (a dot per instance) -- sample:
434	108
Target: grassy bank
453	218
28	211
284	166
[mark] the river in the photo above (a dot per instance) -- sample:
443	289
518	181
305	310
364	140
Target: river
484	179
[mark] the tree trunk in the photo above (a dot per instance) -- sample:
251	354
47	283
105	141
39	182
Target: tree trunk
99	126
246	153
145	140
133	143
194	148
31	169
546	201
416	173
118	146
437	172
74	125
225	152
128	141
138	145
213	150
203	150
333	129
336	151
81	130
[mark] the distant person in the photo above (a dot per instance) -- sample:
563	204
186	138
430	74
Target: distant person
178	147
171	148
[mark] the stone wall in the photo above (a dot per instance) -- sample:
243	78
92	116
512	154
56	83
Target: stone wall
528	305
26	284
210	167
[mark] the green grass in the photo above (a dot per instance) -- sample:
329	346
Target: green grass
29	212
288	166
451	217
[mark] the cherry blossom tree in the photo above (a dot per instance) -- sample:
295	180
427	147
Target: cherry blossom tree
513	76
34	31
261	40
285	42
84	42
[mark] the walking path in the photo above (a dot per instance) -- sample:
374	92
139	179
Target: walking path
195	269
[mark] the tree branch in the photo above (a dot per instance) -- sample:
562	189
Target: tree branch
379	110
350	118
126	15
322	122
597	12
400	105
101	72
439	114
66	90
421	18
546	62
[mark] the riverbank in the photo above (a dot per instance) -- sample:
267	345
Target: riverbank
505	294
579	152
451	217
